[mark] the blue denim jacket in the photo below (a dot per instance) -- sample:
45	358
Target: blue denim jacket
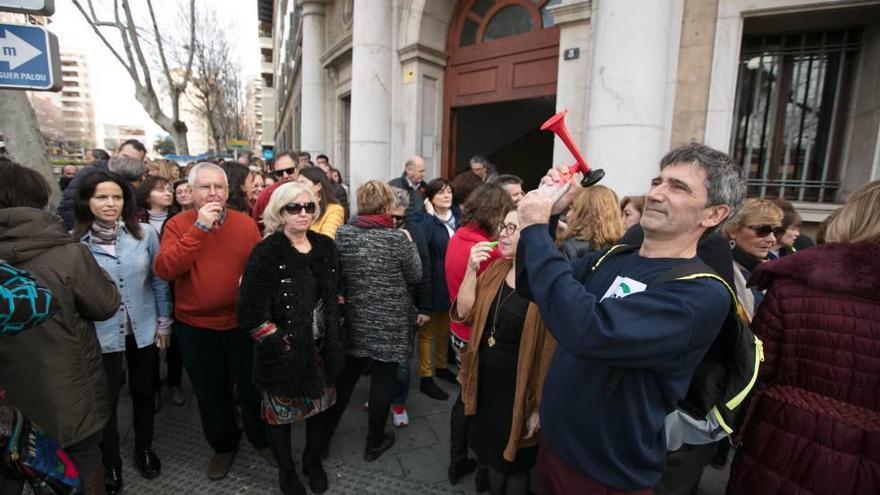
144	295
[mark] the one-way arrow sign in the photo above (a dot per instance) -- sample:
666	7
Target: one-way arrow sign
29	58
16	51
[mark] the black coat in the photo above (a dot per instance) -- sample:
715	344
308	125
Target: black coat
280	286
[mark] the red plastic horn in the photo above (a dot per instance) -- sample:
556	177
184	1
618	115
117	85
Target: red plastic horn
556	124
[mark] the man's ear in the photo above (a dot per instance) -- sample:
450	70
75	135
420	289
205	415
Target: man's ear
714	216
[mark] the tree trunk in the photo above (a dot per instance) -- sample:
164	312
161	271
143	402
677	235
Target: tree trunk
23	139
180	141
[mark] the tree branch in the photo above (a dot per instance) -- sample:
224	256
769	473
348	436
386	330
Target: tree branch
95	24
192	44
132	31
160	48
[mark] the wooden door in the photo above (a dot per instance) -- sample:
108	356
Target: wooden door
500	50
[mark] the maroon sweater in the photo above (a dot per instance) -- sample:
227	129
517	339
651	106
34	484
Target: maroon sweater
816	425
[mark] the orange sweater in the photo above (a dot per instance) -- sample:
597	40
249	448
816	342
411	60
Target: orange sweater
205	268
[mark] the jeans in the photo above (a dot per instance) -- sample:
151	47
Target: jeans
381	383
142	366
213	359
400	389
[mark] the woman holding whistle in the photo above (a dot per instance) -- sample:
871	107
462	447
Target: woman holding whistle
503	367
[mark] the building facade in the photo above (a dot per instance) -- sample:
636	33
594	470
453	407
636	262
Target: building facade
253	112
788	87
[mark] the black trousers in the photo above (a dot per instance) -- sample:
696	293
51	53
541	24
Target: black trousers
212	358
458	432
316	435
684	468
381	387
174	363
143	364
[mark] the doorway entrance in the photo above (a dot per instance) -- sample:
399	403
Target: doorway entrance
500	86
508	134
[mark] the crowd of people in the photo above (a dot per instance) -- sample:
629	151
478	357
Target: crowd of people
608	345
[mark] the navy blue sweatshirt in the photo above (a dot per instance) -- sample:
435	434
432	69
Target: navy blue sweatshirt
655	338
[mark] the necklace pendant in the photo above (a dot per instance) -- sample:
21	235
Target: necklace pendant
491	341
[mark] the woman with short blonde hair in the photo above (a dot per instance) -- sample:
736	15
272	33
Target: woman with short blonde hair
594	222
285	194
374	198
752	232
859	219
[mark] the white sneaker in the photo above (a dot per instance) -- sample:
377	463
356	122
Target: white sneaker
400	420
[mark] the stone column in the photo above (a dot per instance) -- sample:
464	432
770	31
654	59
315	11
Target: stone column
572	88
371	92
312	126
628	97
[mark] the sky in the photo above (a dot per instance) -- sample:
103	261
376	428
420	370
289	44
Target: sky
112	88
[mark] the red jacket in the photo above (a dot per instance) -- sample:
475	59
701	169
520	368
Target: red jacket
205	268
815	428
458	251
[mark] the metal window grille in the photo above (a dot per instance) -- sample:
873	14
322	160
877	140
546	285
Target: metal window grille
791	110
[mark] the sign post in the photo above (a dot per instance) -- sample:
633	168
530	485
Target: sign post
37	7
29	58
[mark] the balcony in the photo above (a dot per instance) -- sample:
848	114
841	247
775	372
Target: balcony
266	68
266	43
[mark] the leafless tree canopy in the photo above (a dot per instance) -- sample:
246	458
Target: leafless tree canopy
137	44
216	93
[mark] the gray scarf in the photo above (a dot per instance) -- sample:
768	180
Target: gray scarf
104	233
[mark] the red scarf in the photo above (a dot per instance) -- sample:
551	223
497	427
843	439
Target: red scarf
374	221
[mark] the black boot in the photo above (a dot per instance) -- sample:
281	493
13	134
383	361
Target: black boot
447	375
113	480
372	452
289	483
461	468
314	471
429	388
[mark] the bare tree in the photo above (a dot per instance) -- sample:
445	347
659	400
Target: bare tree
216	83
134	60
18	123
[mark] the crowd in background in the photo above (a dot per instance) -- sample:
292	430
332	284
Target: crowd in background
276	288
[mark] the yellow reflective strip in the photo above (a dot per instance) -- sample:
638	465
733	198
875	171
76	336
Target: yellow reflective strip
741	396
611	250
720	420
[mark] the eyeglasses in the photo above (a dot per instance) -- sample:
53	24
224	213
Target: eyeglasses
297	208
765	230
507	228
398	220
284	171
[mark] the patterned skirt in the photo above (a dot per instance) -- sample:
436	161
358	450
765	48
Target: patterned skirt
285	410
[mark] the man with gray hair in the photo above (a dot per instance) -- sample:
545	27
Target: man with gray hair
413	181
630	334
203	254
131	148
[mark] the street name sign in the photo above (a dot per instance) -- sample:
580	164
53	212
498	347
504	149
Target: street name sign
38	7
29	58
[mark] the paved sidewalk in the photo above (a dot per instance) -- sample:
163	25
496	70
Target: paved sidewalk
415	465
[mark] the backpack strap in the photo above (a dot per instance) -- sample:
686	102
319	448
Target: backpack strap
688	271
614	251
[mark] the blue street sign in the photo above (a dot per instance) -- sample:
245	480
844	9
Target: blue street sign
268	154
29	58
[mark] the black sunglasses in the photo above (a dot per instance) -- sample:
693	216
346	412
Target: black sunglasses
296	208
284	171
765	230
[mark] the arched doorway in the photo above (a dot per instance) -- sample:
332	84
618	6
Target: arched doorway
500	85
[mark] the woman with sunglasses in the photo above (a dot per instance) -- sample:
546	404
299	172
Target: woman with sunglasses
503	368
332	213
752	233
289	298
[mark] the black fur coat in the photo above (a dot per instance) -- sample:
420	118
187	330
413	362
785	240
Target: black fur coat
281	285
